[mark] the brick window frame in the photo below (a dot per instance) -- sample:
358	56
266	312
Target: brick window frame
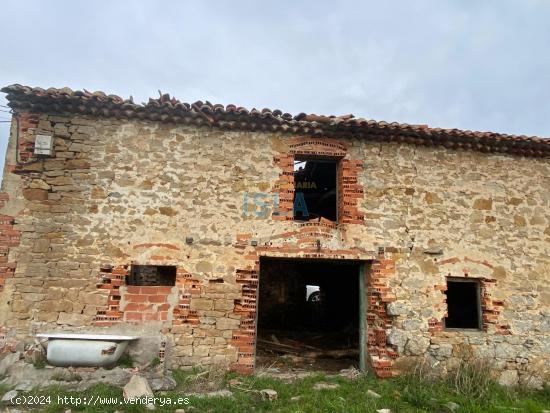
112	277
348	189
490	308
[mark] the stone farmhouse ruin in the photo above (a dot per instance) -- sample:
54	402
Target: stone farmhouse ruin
218	234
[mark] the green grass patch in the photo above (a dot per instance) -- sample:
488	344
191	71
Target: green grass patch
125	361
155	362
39	363
415	394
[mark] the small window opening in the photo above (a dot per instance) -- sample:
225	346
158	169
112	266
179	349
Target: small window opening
314	189
161	275
463	304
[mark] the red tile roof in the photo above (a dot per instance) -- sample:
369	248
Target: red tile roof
167	109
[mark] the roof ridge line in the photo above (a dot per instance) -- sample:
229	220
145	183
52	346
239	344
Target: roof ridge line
169	109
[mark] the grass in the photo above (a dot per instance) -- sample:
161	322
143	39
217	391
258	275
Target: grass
155	362
66	376
39	363
125	361
413	393
200	381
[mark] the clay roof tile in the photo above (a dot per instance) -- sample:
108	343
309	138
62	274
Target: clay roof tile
168	109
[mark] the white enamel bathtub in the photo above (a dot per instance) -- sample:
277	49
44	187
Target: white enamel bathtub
85	350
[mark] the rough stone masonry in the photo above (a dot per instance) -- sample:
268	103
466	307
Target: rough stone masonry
165	183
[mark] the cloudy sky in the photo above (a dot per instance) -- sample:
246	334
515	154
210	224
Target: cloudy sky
470	64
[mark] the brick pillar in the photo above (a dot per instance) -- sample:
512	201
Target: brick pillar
110	279
380	353
284	188
349	192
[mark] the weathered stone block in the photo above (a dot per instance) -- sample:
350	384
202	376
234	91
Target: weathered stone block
34	194
508	378
484	204
201	350
202	304
95	298
73	319
42	245
224	305
417	345
227	324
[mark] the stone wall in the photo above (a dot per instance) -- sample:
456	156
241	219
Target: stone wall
119	192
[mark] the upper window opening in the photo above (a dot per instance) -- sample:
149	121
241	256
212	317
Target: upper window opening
314	189
159	275
463	304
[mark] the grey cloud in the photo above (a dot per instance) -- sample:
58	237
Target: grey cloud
465	64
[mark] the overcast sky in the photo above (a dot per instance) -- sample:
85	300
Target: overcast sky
470	64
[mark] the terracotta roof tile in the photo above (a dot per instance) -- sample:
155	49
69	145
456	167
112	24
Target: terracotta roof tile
169	109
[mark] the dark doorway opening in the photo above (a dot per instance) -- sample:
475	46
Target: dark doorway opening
463	304
308	314
314	189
